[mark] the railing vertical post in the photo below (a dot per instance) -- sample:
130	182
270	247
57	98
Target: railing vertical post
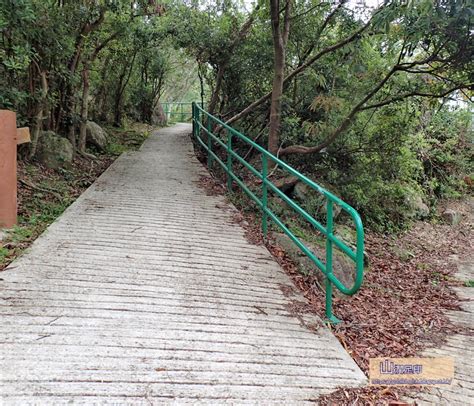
192	119
198	122
229	160
329	229
264	195
209	142
181	112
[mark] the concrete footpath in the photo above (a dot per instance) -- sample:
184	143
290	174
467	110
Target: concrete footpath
460	347
146	292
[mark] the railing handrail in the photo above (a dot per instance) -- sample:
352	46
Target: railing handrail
173	109
188	103
357	256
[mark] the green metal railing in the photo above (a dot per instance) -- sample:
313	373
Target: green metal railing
178	111
204	123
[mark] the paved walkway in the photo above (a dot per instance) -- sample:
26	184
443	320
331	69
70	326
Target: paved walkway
145	291
460	347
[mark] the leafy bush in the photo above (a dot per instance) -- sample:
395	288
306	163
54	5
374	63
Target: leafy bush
393	165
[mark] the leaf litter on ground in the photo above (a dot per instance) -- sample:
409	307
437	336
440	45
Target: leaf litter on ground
401	307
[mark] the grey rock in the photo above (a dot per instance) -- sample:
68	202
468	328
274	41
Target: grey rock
451	217
349	236
402	253
314	202
54	151
286	184
96	135
158	116
417	208
343	267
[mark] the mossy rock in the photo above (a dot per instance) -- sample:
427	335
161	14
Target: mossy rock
54	151
96	136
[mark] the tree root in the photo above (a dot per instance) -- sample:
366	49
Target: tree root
30	185
86	155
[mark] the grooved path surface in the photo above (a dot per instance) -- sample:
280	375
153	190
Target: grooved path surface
146	291
460	347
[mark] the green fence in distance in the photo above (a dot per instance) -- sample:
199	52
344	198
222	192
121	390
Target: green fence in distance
178	111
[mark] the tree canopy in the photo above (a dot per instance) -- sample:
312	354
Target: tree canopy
373	101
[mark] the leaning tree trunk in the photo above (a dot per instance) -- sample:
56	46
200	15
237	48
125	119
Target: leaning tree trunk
217	88
279	44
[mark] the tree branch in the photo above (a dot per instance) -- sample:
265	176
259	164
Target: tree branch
320	30
406	66
414	94
301	149
300	69
222	66
306	11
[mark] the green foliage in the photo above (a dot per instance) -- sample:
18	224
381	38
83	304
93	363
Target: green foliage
446	151
397	148
4	252
395	159
122	140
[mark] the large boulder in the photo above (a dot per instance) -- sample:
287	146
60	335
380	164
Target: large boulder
54	151
416	208
158	117
96	136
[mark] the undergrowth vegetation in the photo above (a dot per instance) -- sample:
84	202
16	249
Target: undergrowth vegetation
389	169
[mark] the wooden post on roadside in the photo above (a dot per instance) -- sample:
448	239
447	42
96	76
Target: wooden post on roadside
8	143
10	137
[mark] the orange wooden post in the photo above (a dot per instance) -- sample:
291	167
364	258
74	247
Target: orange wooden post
8	187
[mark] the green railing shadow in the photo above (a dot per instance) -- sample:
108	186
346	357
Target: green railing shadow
203	123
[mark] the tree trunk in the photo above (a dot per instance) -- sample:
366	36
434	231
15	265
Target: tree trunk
124	79
65	118
201	83
38	126
217	88
71	136
279	44
84	110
